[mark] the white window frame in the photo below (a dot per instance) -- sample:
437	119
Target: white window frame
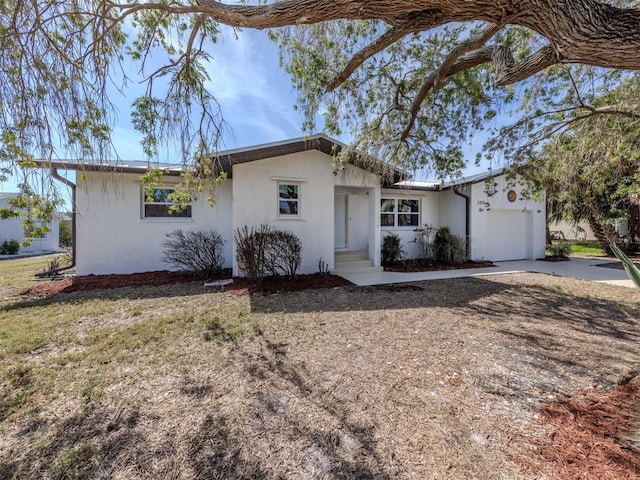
298	200
178	217
396	213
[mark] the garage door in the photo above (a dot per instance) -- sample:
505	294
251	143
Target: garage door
507	237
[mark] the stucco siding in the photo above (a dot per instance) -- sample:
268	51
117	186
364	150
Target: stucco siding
255	201
452	212
112	236
502	229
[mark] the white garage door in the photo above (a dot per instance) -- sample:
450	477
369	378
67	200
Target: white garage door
507	236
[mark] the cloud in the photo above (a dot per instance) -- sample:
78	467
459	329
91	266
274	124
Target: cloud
255	94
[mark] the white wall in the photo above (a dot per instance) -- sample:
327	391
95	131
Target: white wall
255	197
112	236
581	231
452	211
429	214
11	229
505	230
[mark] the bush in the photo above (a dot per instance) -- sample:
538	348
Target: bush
424	241
449	248
560	249
392	251
66	233
196	252
283	253
9	247
266	251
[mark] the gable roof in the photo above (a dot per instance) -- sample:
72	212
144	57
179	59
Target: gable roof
227	158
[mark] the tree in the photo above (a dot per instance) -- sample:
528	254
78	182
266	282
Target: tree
592	171
413	78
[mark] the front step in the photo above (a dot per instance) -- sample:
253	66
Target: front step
354	262
342	257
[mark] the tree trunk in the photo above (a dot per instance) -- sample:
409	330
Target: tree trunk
633	222
604	233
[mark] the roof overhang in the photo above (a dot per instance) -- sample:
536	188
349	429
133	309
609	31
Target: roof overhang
226	159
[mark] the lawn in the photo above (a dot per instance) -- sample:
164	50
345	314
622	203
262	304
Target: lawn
592	249
581	249
452	379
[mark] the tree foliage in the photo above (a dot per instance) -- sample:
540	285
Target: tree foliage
411	80
592	171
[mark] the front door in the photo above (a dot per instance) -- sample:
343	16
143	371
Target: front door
340	220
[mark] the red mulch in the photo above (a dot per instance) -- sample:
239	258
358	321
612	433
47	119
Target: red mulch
595	436
239	285
414	266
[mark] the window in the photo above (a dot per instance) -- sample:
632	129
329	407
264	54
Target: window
399	212
157	204
288	199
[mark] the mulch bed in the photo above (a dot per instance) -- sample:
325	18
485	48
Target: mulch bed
411	266
239	285
595	435
554	258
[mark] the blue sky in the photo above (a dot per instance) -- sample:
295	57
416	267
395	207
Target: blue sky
255	94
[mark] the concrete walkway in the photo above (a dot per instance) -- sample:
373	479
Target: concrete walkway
582	268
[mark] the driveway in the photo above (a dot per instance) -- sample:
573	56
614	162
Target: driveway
581	268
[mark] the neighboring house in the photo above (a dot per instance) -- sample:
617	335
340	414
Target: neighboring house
292	185
11	229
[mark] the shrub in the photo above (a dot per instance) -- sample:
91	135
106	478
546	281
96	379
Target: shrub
283	253
264	250
55	264
560	249
194	251
323	267
9	247
66	233
250	250
424	241
449	248
392	251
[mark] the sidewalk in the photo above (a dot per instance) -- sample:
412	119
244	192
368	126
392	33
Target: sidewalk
581	268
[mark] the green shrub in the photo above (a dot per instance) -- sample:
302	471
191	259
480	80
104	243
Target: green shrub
392	251
9	247
560	249
66	233
449	248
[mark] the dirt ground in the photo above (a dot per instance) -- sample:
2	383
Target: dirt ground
521	376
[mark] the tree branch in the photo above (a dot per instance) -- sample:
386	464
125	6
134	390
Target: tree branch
401	26
436	79
579	31
382	42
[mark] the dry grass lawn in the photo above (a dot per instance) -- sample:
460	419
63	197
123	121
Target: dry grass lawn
443	379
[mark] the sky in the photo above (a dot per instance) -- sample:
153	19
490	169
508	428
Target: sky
256	96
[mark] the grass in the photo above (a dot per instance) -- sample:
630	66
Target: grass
411	382
587	248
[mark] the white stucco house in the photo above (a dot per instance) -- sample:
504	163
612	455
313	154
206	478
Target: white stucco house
11	229
340	216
